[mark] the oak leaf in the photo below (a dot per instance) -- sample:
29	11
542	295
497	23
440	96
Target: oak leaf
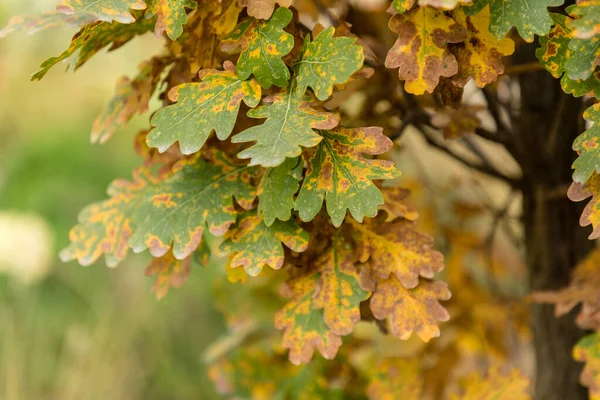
104	10
263	45
288	128
171	16
252	244
277	189
160	212
421	51
170	272
396	378
587	19
200	108
263	9
587	146
327	61
495	386
587	351
480	55
338	174
591	212
530	17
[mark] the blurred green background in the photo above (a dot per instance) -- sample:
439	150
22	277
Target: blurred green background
69	332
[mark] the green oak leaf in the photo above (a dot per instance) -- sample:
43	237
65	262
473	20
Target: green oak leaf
263	44
35	23
584	50
289	125
105	10
587	22
171	16
327	61
587	351
277	189
588	146
162	213
94	37
554	54
530	17
200	108
339	174
252	244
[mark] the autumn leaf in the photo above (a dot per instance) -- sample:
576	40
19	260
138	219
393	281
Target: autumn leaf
171	16
495	386
395	378
396	248
169	272
421	51
456	123
324	304
277	189
587	145
339	174
263	44
105	10
327	61
410	310
554	54
587	351
200	108
263	9
94	37
288	128
480	55
252	244
396	204
530	17
591	212
583	289
157	212
35	23
584	53
402	6
131	97
587	19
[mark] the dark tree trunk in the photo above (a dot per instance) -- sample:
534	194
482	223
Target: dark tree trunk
548	123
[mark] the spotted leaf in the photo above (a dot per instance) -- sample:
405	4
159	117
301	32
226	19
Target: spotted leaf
171	16
131	97
263	9
277	189
587	19
288	128
421	51
584	55
591	212
169	272
105	10
252	244
339	174
200	108
554	54
323	303
587	145
587	351
530	17
410	310
327	61
263	44
94	37
480	56
396	248
160	212
402	6
35	23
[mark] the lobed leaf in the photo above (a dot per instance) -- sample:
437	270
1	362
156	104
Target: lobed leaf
530	17
92	38
402	6
583	57
480	55
591	212
263	9
327	61
263	44
169	272
289	125
421	51
277	189
587	22
200	108
338	174
104	10
587	145
171	16
587	350
252	244
554	54
35	23
396	248
162	212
